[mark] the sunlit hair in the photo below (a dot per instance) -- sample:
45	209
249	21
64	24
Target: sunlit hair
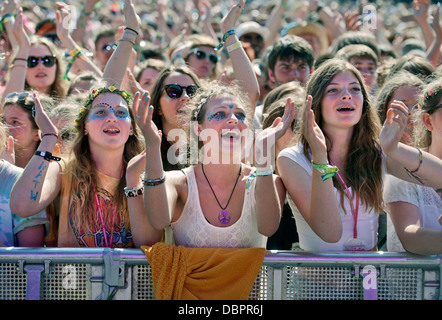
429	103
363	166
85	176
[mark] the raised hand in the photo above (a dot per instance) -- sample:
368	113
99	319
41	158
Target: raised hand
229	21
41	118
311	131
143	117
266	139
394	126
8	153
133	21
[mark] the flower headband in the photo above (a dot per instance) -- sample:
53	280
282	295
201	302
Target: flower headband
432	92
93	94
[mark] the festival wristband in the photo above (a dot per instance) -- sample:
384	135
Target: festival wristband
326	170
234	46
154	182
264	173
226	35
47	155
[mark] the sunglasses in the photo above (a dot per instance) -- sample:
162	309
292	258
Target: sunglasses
21	95
48	61
201	55
109	47
175	91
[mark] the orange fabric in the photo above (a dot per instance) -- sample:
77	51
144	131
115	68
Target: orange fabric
181	273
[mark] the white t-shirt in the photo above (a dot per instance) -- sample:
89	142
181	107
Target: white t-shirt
193	230
10	224
367	222
424	198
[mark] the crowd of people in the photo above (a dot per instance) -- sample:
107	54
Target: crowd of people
286	124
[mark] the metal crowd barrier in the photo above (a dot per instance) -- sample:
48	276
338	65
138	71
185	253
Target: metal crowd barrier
125	274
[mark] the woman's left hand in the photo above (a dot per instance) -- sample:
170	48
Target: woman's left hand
394	126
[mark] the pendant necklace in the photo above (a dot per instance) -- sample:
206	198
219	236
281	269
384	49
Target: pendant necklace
224	216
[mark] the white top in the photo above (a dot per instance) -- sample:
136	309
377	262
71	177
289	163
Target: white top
424	198
10	224
193	230
367	222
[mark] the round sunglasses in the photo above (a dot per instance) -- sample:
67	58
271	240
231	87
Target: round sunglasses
175	91
201	55
48	61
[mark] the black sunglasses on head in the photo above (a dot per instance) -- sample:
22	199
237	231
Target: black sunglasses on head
201	55
48	61
175	91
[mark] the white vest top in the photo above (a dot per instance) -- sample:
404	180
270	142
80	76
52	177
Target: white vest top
193	230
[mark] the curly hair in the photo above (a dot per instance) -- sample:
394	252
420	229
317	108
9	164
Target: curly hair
363	166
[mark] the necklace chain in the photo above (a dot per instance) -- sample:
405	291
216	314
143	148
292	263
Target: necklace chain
231	194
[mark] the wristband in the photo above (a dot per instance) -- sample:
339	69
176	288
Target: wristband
133	192
47	155
49	134
327	170
153	182
264	173
234	46
225	36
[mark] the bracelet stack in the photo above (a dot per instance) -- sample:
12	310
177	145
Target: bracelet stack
129	31
154	182
326	170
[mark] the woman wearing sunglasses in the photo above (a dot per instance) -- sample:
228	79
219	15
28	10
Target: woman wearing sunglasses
90	185
172	90
37	65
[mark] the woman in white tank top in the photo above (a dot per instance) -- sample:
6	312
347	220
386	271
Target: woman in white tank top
220	201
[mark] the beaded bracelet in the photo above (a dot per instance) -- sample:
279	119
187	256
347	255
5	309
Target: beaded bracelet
327	170
225	36
411	173
154	182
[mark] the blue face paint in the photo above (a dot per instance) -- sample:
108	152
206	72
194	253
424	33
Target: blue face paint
102	110
218	116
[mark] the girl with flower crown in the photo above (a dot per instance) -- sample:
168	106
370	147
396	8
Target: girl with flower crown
93	209
415	209
334	175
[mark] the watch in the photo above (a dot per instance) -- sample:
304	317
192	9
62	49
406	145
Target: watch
47	155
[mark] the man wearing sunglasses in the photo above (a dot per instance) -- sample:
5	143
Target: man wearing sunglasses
105	45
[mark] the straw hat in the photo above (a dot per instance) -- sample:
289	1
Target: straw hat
312	28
